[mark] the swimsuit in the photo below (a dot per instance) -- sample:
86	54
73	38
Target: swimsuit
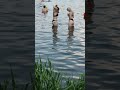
55	15
54	20
72	19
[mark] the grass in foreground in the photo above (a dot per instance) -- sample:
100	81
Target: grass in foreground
47	79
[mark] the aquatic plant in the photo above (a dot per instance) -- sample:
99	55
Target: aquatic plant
47	79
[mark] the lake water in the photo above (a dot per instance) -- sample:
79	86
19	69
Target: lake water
65	49
103	47
17	40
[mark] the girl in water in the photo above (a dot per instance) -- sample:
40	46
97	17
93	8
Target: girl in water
45	9
71	17
55	11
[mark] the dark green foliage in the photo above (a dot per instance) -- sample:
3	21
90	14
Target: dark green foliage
47	79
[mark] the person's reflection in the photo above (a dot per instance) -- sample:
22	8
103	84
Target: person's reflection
89	11
70	31
55	38
70	35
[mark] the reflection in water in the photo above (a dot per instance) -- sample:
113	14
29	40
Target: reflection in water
65	50
102	47
89	11
70	35
55	38
88	14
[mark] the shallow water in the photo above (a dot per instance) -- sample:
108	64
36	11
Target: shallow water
65	49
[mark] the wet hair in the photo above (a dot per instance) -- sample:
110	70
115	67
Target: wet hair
68	9
57	6
44	6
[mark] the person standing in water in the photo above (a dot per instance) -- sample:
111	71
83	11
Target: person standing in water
71	17
54	22
55	11
45	9
70	14
55	15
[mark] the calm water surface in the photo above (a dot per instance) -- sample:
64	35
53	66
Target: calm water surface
103	47
65	49
16	40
